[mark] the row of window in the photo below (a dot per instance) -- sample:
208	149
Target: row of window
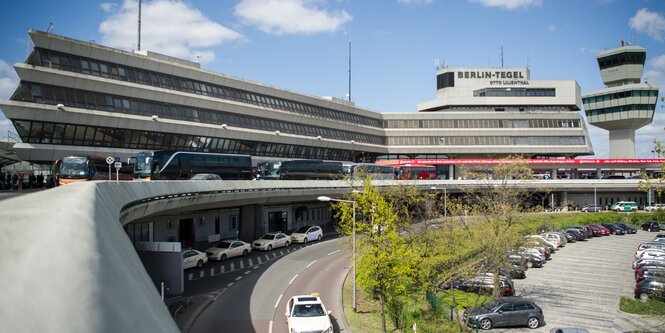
621	94
487	141
631	107
82	65
510	92
81	135
627	58
45	94
483	123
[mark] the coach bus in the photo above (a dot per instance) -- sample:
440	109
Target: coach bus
374	171
268	170
310	169
78	168
410	172
173	165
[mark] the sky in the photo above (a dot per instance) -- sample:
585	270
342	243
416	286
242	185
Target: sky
303	45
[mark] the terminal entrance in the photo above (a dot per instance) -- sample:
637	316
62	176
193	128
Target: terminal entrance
186	234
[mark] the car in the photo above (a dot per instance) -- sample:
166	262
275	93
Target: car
654	206
306	234
603	230
484	284
206	176
648	264
271	240
650	272
592	208
660	236
650	288
650	226
577	234
306	313
505	312
584	229
193	258
627	228
614	229
228	249
624	206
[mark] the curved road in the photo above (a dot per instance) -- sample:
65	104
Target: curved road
253	299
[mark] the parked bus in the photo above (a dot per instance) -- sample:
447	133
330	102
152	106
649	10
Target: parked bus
409	172
174	165
78	168
374	171
268	170
142	164
310	169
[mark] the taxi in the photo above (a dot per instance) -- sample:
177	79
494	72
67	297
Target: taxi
306	313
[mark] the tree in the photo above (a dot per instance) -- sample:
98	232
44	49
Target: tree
655	183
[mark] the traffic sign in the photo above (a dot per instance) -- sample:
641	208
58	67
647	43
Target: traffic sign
110	160
117	159
117	165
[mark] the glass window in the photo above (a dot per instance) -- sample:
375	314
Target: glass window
94	68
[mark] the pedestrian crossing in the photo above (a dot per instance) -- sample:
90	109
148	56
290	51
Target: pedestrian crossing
215	268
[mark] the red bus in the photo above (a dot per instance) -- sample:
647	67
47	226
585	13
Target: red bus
409	172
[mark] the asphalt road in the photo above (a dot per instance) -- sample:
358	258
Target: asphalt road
582	284
252	298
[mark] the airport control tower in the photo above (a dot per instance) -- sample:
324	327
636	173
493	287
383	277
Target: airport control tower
626	104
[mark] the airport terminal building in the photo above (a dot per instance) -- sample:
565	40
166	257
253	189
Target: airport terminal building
77	97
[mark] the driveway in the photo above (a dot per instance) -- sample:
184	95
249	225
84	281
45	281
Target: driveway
582	284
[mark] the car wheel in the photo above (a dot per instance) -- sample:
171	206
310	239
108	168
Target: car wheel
485	324
244	253
529	264
223	257
320	237
199	264
305	240
533	322
269	247
644	297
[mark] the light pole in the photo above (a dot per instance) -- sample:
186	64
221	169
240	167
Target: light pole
327	199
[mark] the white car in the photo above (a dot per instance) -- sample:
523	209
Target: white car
193	258
306	313
307	234
228	249
271	240
653	207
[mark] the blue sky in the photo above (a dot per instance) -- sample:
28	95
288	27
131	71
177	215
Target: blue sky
302	45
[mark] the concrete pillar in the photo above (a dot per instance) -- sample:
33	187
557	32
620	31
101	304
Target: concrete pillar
622	143
553	173
564	201
251	222
599	174
451	171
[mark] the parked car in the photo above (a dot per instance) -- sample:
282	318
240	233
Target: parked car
592	208
193	258
654	206
614	229
650	226
484	284
506	312
271	240
648	264
603	230
584	229
306	313
206	176
595	231
627	228
650	288
228	249
650	272
577	233
306	234
624	206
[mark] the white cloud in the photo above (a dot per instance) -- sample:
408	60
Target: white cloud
290	17
551	28
644	136
8	80
650	22
170	27
509	4
416	2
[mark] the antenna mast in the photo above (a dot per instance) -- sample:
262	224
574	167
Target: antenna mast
139	46
501	49
349	71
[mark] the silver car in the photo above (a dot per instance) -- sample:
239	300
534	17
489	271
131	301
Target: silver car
512	311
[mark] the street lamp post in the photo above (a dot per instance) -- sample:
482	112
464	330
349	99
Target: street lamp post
327	199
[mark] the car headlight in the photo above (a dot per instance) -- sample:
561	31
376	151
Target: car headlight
329	330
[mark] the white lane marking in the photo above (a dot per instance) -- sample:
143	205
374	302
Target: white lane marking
251	263
278	299
259	260
190	277
293	279
238	278
242	264
270	327
311	263
233	266
247	272
333	252
230	284
202	274
267	258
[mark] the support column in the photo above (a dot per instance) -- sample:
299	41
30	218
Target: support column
564	201
599	174
451	171
251	222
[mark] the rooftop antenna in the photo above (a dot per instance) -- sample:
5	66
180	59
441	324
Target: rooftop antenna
501	54
527	62
139	28
50	28
437	64
349	72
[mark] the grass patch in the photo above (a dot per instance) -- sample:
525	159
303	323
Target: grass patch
635	306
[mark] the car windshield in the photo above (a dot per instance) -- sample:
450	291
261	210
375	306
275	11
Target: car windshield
308	310
302	230
493	304
268	236
223	245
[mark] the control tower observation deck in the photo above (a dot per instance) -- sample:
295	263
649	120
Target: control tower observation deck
626	104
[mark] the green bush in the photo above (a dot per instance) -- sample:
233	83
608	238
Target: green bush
635	306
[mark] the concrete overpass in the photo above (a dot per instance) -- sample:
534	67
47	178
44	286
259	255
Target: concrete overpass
68	265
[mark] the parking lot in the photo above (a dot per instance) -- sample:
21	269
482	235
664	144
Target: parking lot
582	284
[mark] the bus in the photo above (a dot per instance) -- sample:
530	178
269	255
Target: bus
142	164
268	170
79	168
310	169
174	165
374	171
410	172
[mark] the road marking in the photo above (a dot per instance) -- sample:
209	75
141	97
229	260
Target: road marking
230	284
333	252
293	279
238	278
190	277
311	263
247	272
259	260
255	267
251	263
278	299
233	266
270	327
267	258
242	264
